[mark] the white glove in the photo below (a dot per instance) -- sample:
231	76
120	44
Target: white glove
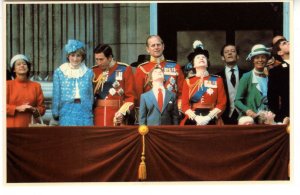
118	118
205	120
190	114
202	120
198	119
214	113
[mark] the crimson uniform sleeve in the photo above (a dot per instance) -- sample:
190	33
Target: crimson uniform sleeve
180	80
185	97
129	88
221	99
139	84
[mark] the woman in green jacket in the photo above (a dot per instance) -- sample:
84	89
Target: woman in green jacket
251	96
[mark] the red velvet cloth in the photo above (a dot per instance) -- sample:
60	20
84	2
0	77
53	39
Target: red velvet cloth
72	154
214	153
173	153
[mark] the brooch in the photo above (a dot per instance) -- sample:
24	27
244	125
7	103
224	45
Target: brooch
210	91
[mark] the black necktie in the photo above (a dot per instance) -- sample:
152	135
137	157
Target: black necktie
232	79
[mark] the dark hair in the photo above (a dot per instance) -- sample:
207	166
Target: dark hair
105	49
276	49
150	36
229	44
13	74
80	51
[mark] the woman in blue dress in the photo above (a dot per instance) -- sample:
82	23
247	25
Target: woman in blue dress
72	102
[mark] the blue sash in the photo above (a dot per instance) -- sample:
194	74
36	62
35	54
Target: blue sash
110	80
197	96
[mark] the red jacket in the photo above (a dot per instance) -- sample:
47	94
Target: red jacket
20	92
123	91
173	77
214	95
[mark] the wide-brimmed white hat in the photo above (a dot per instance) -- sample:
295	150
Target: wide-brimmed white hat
258	49
18	57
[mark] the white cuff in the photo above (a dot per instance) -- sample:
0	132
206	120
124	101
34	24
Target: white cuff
214	113
190	114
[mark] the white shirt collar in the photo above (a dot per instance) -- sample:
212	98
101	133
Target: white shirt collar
228	69
155	88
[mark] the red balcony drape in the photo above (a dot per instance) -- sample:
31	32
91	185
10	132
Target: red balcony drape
229	153
173	153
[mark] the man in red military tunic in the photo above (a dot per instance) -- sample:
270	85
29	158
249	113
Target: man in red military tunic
173	75
113	88
203	95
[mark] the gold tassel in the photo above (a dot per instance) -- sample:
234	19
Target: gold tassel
142	172
142	169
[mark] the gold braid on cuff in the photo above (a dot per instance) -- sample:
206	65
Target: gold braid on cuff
125	108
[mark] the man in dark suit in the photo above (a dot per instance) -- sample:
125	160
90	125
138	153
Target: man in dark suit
158	106
279	81
231	75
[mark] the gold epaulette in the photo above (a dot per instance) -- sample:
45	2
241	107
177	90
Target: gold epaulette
122	63
141	67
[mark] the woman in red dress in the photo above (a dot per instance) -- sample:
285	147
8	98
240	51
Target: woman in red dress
203	95
24	98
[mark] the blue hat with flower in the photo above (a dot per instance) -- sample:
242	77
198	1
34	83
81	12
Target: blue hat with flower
73	45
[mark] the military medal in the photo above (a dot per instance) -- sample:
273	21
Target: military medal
120	92
119	75
172	80
112	91
169	87
116	84
210	84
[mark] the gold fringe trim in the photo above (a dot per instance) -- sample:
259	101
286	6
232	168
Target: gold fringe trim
125	108
99	81
142	172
